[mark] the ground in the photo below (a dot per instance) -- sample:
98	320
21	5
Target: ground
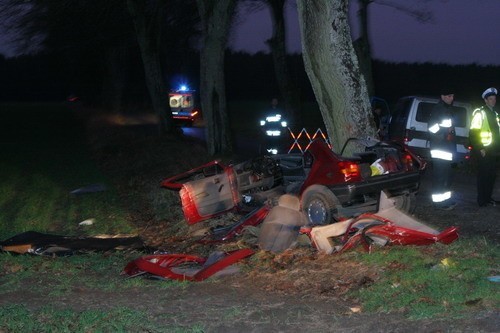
296	291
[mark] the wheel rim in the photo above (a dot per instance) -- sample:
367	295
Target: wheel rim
316	212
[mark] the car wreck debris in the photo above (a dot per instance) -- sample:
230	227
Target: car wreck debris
221	234
46	244
185	267
389	226
365	197
280	228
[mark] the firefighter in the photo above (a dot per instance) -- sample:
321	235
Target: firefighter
443	148
484	136
275	129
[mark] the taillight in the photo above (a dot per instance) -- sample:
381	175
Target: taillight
408	162
350	170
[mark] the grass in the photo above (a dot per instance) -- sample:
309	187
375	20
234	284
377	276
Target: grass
18	318
438	281
45	158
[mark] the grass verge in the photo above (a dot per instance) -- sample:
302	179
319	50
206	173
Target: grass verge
435	281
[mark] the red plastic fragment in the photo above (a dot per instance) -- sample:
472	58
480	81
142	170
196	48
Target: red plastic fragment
162	265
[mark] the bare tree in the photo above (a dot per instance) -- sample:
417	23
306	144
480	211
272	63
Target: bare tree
333	69
147	17
215	21
277	43
362	44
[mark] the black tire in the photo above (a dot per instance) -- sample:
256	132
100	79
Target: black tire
320	205
406	202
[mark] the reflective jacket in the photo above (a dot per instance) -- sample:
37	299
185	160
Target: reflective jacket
442	132
484	129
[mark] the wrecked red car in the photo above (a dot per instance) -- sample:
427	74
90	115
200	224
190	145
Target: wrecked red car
331	186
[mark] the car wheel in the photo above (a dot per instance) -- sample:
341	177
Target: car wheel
320	205
406	202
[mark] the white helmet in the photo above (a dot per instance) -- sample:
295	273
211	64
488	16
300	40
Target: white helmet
489	92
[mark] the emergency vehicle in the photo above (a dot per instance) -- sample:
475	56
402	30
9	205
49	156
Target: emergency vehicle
184	105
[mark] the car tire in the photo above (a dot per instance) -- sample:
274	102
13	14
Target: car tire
406	202
320	205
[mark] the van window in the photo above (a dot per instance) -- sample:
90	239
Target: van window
425	108
399	118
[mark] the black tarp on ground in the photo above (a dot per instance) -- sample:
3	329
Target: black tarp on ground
47	244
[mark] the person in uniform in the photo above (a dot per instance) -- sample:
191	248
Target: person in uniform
274	128
443	149
484	136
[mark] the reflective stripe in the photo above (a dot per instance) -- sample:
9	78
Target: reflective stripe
273	151
273	119
479	121
273	133
486	138
434	128
446	123
283	124
440	197
441	154
262	122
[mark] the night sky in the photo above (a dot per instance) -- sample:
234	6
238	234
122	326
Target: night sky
461	32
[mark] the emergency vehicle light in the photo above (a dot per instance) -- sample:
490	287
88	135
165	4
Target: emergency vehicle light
183	88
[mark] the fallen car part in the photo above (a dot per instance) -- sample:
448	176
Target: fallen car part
215	188
281	226
173	266
389	226
223	234
46	244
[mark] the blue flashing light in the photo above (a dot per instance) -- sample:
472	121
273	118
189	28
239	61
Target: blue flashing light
183	88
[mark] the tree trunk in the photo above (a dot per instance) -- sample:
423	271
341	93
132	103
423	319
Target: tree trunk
215	19
148	29
363	48
332	67
277	44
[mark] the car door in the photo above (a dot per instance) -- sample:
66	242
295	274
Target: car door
206	191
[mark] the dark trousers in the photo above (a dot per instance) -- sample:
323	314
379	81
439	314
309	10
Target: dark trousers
486	175
442	175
